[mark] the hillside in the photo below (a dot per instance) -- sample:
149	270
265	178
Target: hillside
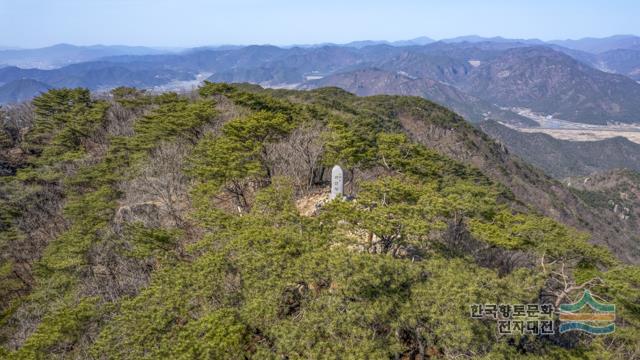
158	226
21	90
622	61
369	82
563	158
616	190
445	63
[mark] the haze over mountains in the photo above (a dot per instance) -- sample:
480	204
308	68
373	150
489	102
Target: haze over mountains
65	54
571	80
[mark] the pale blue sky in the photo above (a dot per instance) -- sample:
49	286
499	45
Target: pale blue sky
33	23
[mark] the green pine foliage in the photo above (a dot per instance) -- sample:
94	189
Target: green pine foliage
389	274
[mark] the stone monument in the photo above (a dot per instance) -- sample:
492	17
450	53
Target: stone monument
337	186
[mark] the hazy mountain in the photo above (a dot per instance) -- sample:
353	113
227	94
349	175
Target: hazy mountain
212	47
429	64
423	40
65	54
368	82
21	90
600	45
562	158
96	75
363	43
268	75
285	67
551	82
621	61
495	39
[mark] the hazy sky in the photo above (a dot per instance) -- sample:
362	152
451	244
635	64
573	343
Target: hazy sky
33	23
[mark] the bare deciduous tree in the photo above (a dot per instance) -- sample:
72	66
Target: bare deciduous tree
120	120
560	283
162	182
297	156
19	116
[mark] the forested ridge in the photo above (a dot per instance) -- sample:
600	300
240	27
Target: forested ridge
142	226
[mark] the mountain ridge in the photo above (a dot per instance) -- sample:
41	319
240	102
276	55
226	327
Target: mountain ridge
597	97
367	82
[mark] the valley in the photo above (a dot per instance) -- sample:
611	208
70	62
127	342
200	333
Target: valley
575	131
589	134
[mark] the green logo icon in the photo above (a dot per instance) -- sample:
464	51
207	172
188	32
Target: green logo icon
599	321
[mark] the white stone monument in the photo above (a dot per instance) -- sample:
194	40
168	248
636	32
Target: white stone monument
337	186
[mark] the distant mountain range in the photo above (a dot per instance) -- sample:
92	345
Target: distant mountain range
366	82
551	82
65	54
587	80
601	45
96	75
